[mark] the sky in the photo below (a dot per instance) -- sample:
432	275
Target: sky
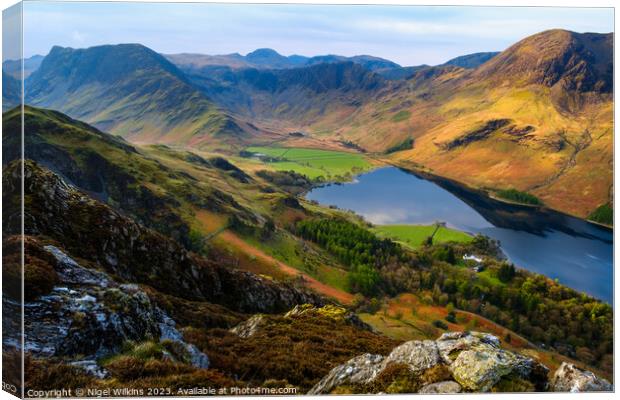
408	35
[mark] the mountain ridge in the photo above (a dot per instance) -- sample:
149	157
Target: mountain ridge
126	81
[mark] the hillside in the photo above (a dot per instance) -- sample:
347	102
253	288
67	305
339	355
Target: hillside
103	219
543	102
298	95
110	86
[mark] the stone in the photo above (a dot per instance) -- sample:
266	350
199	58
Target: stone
569	378
441	387
248	328
417	355
473	360
359	370
480	368
453	342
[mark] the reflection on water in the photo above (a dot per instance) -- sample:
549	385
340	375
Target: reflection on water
577	253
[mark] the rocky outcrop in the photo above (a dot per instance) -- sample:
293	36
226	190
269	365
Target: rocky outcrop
359	370
569	378
477	134
248	328
251	326
134	253
89	314
457	361
331	311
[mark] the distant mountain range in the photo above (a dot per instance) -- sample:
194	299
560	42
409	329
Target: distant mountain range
484	119
271	59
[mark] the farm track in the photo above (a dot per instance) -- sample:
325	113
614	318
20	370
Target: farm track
310	282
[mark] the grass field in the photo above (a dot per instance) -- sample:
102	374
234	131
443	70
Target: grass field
414	235
331	165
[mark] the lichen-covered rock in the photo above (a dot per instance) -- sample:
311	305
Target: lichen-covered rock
359	370
451	343
90	315
441	387
457	361
331	311
569	378
417	355
248	328
481	368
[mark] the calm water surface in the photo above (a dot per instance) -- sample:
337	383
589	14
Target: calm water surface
577	253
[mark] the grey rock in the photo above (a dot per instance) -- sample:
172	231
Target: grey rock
90	315
361	369
569	378
417	355
248	328
482	367
475	360
92	368
441	387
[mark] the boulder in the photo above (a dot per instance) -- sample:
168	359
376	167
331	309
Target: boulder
481	368
417	355
457	361
248	328
569	378
441	387
359	370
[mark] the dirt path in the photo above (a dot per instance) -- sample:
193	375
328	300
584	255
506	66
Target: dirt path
320	287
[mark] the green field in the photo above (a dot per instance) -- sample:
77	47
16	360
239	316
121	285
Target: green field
330	165
414	235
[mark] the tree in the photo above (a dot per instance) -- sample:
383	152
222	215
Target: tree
506	272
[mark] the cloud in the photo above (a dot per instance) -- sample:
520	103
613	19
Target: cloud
78	37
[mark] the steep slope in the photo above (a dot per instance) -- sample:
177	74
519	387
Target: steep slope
471	60
120	246
300	94
129	90
578	62
113	171
537	117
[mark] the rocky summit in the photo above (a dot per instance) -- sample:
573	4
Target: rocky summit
455	362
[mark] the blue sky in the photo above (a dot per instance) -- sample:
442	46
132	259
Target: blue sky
409	35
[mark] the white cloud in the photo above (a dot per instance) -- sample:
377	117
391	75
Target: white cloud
78	37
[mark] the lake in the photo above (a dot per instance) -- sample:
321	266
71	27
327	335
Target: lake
579	254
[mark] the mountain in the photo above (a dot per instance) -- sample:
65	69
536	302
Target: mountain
545	101
111	170
248	296
11	91
298	93
271	59
129	90
31	64
268	58
577	62
471	60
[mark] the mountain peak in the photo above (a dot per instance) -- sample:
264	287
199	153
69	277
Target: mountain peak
263	52
578	61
